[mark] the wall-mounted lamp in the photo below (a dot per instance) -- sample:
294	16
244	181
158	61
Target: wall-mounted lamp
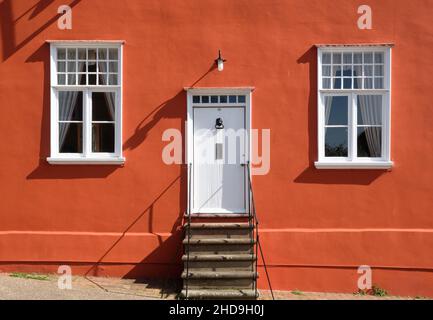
220	61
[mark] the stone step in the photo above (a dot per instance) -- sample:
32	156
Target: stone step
219	279
219	283
219	275
219	233
206	249
219	294
219	262
220	257
219	265
218	241
219	225
219	215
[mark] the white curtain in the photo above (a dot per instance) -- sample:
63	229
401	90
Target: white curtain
109	96
328	104
67	102
370	107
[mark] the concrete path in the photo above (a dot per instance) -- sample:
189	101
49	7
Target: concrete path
45	287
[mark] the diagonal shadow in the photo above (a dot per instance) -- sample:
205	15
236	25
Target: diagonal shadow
311	174
7	25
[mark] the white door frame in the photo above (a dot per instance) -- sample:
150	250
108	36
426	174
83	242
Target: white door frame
189	139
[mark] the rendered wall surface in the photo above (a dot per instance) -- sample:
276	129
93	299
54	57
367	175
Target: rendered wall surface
317	226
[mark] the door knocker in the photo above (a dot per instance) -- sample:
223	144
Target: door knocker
219	123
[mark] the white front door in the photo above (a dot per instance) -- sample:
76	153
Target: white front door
219	151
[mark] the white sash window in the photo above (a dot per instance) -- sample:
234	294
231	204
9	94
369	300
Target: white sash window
354	107
86	103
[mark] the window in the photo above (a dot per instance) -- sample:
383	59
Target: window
86	103
354	107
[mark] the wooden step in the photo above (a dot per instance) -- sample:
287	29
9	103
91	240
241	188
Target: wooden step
219	294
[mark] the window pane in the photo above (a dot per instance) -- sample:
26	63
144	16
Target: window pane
102	54
326	71
81	66
368	71
336	58
368	57
347	83
70	106
214	99
326	83
103	79
337	83
232	99
113	67
103	137
92	79
241	99
336	110
91	66
378	70
61	66
378	57
70	137
369	110
72	54
61	79
61	54
347	71
326	58
336	71
368	83
347	58
357	58
378	83
113	80
357	71
82	79
369	142
336	142
71	79
223	99
196	99
112	53
205	99
91	54
103	106
82	55
71	66
357	83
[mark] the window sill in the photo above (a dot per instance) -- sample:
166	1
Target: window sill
353	165
87	161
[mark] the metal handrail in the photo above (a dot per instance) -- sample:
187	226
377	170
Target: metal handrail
253	218
188	228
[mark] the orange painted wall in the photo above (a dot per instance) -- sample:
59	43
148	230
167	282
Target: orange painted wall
317	226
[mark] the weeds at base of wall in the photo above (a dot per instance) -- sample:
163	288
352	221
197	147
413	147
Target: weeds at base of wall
41	277
374	291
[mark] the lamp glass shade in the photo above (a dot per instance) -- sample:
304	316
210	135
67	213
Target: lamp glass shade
220	64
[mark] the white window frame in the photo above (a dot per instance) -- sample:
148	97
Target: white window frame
352	161
87	157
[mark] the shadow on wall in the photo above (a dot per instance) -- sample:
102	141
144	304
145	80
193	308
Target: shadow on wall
166	258
311	174
44	170
8	24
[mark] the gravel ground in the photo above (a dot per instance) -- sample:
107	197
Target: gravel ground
92	288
